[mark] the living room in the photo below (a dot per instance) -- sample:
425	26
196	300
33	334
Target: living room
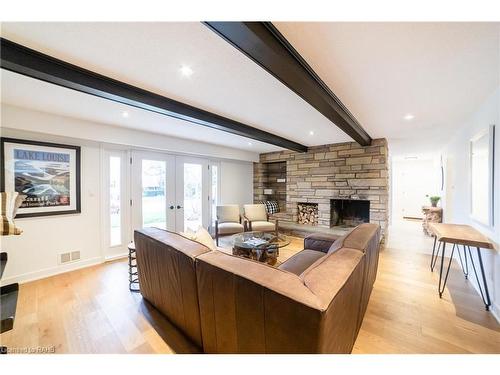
250	187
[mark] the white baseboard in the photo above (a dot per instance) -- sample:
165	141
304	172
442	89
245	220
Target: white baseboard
115	257
47	272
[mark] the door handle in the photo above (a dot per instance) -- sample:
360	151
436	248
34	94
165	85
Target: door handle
171	207
179	207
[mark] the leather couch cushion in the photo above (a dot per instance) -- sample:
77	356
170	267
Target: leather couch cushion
319	241
263	226
301	261
255	212
229	213
230	228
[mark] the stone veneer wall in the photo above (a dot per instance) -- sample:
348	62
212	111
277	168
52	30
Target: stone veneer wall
325	172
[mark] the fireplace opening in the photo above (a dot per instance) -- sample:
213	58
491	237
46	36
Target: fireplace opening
349	212
307	213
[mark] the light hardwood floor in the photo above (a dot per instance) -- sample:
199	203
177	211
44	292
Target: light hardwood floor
92	311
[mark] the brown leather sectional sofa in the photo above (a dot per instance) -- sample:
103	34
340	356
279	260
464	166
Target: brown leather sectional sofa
312	303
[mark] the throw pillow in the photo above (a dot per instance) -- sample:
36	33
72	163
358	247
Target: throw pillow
272	207
203	237
10	202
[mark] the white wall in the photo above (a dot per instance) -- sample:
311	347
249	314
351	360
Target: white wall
457	199
236	183
412	180
35	121
34	254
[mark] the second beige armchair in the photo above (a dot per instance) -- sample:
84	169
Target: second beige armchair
257	219
228	221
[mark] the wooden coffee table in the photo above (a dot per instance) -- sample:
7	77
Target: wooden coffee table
261	246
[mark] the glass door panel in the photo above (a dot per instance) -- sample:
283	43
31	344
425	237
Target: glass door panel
192	193
115	201
214	194
153	186
116	195
154	202
193	204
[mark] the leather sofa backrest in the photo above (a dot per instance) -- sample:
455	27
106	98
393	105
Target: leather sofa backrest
360	237
167	277
250	307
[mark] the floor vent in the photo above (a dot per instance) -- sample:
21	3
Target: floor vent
65	258
69	257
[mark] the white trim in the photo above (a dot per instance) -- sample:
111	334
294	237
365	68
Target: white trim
115	257
490	132
495	311
47	272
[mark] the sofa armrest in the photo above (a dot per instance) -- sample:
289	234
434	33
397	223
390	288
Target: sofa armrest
319	241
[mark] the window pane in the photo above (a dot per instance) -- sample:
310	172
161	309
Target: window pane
192	196
215	178
115	200
153	194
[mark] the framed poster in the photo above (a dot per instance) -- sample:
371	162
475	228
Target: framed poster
482	159
47	173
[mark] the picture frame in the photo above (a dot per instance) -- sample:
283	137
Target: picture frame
482	160
47	173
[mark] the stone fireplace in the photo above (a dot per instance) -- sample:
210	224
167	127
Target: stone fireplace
349	212
342	171
307	213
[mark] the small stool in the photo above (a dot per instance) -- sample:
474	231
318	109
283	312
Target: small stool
133	278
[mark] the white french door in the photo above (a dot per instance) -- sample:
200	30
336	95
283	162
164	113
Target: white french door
192	192
169	192
153	190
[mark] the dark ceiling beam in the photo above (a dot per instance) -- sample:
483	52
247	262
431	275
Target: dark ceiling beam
265	45
31	63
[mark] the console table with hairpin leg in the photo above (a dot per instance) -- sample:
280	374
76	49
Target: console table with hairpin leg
467	237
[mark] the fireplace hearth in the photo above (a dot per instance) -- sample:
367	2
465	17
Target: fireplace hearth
349	212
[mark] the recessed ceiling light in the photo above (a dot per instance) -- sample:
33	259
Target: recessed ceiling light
311	133
409	117
186	71
249	143
125	114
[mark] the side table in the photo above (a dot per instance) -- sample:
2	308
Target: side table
431	215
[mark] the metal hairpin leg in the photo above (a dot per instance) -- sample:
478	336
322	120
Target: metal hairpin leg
441	287
435	255
466	269
485	296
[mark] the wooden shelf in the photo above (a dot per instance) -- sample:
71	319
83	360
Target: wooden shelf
8	294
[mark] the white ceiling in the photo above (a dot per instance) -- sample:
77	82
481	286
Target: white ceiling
439	72
149	55
41	96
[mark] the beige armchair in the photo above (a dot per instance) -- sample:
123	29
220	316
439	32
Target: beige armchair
228	221
257	219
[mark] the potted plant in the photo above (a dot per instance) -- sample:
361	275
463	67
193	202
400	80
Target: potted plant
434	200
